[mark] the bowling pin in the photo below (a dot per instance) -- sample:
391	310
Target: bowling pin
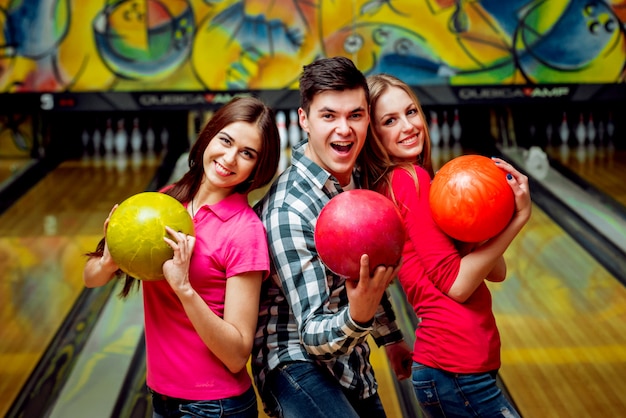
610	126
108	140
281	124
150	139
581	130
294	128
610	131
591	129
165	138
600	132
435	132
445	129
97	144
85	140
549	133
536	162
456	126
135	137
564	129
121	138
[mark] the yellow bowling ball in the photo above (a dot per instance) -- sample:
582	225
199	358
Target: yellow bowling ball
136	230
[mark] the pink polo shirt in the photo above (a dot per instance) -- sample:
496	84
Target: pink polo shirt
230	240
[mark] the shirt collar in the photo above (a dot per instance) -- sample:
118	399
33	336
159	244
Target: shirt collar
317	174
229	206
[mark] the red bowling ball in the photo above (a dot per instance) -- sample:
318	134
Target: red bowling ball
358	222
470	198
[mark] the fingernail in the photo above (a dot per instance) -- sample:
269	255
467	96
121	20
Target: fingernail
509	176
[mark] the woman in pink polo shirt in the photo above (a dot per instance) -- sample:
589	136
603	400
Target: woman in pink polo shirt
200	321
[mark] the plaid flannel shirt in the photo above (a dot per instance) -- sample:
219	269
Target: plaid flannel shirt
304	313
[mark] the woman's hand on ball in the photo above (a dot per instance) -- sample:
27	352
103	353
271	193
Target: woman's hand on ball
176	269
106	261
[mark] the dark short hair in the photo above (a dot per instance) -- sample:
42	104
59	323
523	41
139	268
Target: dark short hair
336	73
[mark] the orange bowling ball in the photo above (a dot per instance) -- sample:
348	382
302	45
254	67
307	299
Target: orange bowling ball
470	198
136	230
358	222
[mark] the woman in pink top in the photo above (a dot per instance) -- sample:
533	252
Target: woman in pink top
457	346
200	321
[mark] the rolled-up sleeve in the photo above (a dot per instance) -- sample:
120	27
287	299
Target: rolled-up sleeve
325	329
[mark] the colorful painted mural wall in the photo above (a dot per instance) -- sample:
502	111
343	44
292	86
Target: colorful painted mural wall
174	45
183	48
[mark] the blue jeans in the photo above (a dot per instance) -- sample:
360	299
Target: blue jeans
449	395
242	406
303	389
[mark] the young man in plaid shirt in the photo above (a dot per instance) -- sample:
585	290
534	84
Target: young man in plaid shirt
311	356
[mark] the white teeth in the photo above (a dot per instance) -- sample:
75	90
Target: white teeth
221	169
342	144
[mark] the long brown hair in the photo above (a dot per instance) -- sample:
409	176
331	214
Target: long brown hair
240	109
376	164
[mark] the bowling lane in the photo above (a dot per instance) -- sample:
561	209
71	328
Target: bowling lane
602	166
561	311
100	378
600	216
561	314
43	237
11	167
561	317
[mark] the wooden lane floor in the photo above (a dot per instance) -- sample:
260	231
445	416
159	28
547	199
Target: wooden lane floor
562	319
602	166
384	376
10	167
101	369
43	238
561	315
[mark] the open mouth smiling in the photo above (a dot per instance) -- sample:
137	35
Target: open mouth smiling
342	147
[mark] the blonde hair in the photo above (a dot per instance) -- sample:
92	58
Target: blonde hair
376	163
